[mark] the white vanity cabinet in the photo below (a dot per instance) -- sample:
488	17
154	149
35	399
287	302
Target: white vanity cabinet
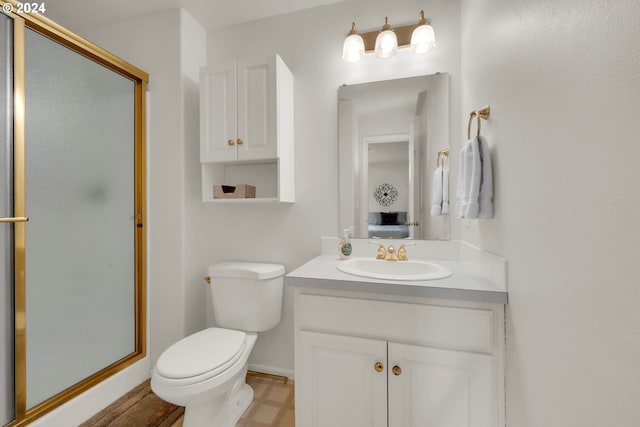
337	383
374	360
246	127
441	388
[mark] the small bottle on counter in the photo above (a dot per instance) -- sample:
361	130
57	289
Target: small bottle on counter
344	245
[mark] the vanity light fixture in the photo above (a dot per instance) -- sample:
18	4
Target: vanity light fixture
353	47
385	43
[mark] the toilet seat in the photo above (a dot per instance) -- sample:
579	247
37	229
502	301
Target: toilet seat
201	356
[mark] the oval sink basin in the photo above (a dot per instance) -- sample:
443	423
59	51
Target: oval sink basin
393	270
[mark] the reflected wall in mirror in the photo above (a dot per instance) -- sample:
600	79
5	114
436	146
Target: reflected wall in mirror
389	134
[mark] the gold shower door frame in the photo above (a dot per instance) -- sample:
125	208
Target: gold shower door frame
83	47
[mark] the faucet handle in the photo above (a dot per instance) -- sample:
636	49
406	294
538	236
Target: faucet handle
402	253
382	253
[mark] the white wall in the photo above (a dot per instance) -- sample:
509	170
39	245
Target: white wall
563	81
194	56
310	43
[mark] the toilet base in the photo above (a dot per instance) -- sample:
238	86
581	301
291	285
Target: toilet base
226	412
242	402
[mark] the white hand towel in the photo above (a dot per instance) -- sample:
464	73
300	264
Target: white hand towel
485	198
436	192
473	191
469	174
445	185
463	177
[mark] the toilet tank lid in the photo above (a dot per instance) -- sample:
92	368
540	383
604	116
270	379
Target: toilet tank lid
246	270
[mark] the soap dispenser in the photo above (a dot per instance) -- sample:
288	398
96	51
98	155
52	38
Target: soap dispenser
345	245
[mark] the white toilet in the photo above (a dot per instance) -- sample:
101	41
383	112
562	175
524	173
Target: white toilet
205	372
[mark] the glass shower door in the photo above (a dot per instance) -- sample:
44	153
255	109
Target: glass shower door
80	239
72	273
7	404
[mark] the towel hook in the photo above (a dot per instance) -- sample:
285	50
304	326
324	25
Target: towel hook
482	113
441	155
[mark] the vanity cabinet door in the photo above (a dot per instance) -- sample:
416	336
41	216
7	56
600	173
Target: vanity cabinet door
337	383
440	388
218	114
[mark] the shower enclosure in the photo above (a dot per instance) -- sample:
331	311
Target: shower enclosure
72	211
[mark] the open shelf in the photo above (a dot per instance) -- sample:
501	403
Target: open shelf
245	201
264	175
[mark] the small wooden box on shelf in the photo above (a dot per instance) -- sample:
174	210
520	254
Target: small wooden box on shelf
242	191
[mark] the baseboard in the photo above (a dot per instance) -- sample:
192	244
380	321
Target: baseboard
271	370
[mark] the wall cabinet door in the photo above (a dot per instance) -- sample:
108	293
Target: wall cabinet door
257	108
218	114
337	384
440	388
238	106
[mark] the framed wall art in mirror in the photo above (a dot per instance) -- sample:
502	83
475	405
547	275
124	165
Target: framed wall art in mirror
389	136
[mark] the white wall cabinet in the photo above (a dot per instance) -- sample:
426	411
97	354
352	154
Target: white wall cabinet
246	128
363	361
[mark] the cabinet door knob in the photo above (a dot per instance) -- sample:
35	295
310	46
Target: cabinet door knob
396	370
230	142
240	141
378	367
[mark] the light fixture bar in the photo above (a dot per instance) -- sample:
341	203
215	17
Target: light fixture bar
402	33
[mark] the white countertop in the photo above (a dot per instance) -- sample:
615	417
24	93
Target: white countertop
463	284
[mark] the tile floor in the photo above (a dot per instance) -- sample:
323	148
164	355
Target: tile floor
272	405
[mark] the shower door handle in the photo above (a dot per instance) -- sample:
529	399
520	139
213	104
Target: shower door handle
15	219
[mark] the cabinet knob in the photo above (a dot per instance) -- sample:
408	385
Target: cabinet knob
378	367
240	141
230	142
396	370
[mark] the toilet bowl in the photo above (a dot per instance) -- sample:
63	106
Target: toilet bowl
215	392
205	372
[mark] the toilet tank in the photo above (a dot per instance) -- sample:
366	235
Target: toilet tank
246	296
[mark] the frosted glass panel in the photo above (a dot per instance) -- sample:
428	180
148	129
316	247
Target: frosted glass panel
80	202
6	230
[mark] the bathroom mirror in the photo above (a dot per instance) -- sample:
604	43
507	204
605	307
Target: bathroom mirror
390	134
